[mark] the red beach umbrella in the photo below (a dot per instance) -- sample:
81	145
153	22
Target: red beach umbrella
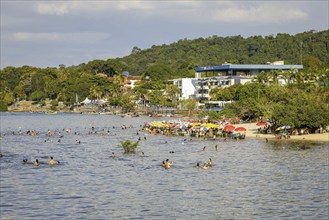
261	123
240	129
229	128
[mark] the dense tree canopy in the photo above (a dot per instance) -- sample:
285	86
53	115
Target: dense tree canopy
294	105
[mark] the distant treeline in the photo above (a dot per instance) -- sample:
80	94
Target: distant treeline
183	56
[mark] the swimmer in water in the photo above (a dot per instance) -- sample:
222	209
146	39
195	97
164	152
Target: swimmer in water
36	163
113	155
168	164
52	161
209	164
205	167
204	148
197	165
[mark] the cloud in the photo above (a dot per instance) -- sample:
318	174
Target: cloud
92	7
262	13
77	37
52	8
196	12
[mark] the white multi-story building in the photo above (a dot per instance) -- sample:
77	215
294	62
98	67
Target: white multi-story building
198	88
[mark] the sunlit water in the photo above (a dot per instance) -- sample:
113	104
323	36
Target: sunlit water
250	179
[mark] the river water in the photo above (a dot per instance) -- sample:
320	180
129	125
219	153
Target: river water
249	179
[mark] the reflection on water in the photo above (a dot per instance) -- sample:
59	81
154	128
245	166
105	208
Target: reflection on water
294	145
249	179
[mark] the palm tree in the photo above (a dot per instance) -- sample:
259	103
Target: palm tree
172	91
273	76
261	77
190	105
96	91
323	75
287	76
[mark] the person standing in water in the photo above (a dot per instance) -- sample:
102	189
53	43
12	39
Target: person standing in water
52	161
209	164
36	163
168	164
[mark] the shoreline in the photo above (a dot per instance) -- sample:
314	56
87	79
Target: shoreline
252	132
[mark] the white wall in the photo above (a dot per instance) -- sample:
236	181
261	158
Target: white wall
187	88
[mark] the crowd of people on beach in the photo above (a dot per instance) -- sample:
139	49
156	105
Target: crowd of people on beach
195	128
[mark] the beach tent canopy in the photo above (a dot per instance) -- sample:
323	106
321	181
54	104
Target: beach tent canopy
86	101
100	101
261	123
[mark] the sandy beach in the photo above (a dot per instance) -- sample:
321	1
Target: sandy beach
252	132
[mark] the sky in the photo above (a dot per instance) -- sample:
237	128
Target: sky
51	33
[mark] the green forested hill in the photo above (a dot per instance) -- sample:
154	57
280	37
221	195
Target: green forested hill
308	48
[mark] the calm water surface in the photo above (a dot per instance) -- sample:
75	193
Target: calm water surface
250	179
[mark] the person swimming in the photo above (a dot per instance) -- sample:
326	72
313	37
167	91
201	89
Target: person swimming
216	147
113	155
209	164
36	163
204	148
48	140
52	161
142	155
168	164
198	165
205	166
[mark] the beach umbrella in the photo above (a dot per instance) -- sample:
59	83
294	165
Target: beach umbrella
240	129
196	128
210	125
182	126
261	123
229	128
285	127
